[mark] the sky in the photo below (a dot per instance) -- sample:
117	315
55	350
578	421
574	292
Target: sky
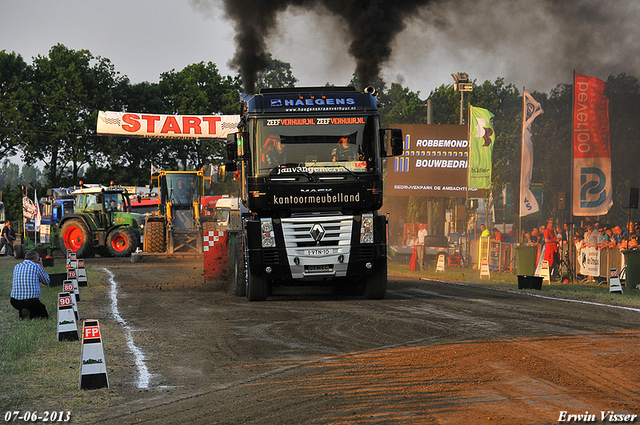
536	45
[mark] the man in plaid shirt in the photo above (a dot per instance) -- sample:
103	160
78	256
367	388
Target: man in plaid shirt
25	293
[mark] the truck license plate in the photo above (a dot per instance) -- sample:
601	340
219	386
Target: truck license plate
319	268
324	251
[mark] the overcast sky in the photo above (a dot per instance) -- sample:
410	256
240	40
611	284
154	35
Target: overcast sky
533	44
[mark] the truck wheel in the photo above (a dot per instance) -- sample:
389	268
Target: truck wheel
155	236
240	269
376	285
257	287
76	236
18	251
121	242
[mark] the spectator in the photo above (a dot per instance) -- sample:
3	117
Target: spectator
25	293
617	235
7	238
541	235
422	233
496	236
535	237
551	245
590	236
611	243
508	238
603	238
559	235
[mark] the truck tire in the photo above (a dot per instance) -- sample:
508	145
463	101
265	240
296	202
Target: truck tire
76	236
376	284
257	287
121	242
155	237
240	269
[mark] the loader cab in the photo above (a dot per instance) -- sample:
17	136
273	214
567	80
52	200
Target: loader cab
181	189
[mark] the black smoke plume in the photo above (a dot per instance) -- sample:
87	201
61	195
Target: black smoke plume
370	25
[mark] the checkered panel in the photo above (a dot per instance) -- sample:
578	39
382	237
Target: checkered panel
211	237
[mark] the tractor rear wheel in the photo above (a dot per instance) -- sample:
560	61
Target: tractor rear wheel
155	237
76	236
121	242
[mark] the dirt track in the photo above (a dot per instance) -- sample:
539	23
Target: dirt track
430	352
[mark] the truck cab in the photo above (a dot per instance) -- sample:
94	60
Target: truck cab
310	161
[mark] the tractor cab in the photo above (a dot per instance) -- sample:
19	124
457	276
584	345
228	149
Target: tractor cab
102	206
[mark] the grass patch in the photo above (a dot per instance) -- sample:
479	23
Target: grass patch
36	371
577	291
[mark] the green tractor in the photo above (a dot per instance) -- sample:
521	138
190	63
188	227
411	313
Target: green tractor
102	222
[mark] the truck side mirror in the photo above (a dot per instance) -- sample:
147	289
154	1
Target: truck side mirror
397	142
393	143
232	146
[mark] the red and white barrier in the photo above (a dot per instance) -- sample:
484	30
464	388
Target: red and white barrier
216	254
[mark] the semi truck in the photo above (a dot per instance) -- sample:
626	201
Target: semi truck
311	167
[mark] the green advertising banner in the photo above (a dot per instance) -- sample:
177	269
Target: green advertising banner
481	139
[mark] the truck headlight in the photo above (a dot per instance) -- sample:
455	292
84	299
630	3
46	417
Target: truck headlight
366	228
268	238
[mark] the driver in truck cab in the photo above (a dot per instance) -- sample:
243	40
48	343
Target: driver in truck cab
272	152
344	151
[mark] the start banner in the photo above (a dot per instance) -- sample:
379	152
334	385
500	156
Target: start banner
172	126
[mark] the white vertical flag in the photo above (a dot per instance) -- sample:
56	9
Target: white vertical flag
37	218
531	109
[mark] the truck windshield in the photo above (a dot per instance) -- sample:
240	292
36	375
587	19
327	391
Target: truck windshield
322	145
182	189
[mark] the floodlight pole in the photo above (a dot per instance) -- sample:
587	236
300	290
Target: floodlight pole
461	105
462	85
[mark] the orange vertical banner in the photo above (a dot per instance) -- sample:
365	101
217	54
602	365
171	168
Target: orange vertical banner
591	148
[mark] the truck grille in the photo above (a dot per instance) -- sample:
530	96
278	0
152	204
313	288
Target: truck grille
297	231
270	257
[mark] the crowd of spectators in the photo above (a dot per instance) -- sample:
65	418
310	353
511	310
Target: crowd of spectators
602	235
591	234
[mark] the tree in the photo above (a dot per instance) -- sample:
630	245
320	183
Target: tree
67	90
9	175
623	92
199	89
399	105
14	73
277	74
